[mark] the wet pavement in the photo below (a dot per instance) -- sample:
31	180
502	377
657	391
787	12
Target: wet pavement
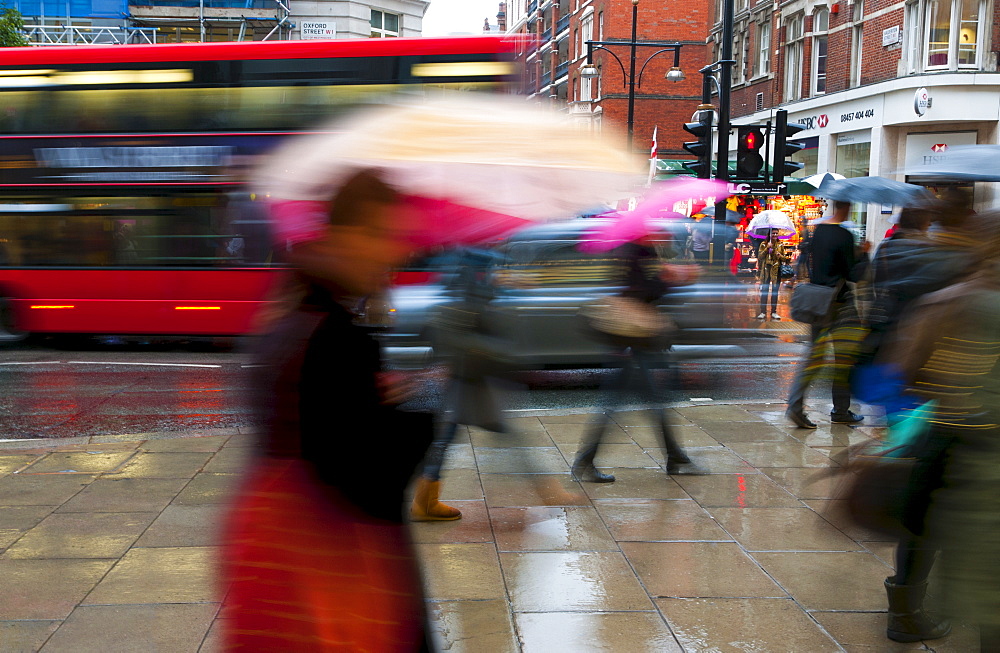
109	542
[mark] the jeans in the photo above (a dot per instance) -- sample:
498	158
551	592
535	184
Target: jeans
769	288
435	453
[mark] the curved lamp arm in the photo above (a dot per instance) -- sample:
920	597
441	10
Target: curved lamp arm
590	53
677	59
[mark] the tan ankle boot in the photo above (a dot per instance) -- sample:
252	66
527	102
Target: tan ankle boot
426	506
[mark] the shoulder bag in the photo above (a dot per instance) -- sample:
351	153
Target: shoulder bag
811	302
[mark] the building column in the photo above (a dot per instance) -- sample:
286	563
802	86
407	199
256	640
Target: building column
881	163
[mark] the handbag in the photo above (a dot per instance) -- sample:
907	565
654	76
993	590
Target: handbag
877	489
879	477
786	271
625	317
811	302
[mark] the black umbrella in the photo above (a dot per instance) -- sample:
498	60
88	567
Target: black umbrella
962	163
873	190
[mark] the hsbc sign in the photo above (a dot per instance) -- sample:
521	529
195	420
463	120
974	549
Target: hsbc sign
843	116
812	122
922	149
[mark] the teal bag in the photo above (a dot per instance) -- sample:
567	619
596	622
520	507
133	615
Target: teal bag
907	427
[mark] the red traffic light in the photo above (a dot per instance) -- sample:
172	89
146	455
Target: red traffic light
749	162
751	140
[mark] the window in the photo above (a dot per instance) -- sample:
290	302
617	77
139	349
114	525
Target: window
763	48
953	33
384	25
738	56
857	40
821	24
793	58
914	36
747	57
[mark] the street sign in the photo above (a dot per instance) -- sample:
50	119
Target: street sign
318	29
757	188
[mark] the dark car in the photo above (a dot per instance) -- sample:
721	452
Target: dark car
538	280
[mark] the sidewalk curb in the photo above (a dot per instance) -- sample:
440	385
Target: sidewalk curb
45	443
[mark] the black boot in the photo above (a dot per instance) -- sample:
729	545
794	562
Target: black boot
907	620
584	470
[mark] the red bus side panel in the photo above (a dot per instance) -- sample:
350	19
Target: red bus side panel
192	302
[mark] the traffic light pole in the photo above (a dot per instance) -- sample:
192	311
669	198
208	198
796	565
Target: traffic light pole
725	80
725	83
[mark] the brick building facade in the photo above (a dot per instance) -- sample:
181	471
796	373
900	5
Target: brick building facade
557	51
879	84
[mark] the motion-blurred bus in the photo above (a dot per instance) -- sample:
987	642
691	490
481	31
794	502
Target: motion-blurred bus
123	206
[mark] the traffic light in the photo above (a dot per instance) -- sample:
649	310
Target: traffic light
749	161
701	148
783	148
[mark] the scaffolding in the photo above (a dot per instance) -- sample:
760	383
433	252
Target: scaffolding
78	35
91	35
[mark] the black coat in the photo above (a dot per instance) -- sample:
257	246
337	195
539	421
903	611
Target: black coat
317	391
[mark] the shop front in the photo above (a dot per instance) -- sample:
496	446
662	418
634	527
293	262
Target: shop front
884	129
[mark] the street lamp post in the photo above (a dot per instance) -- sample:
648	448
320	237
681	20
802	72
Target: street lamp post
675	74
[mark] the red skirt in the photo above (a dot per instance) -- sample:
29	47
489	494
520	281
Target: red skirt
306	571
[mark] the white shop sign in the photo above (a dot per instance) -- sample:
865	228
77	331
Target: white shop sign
850	138
319	29
922	149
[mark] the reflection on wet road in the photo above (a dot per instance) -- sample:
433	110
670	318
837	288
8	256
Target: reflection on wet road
52	393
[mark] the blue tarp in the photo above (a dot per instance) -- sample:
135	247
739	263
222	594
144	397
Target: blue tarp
72	8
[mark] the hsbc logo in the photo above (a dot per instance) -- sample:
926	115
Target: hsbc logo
940	147
814	122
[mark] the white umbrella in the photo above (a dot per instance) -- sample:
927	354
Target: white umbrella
474	150
766	221
817	180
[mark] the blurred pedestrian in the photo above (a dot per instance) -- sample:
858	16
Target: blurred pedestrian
914	272
644	286
894	261
834	260
701	240
771	255
315	553
916	261
947	348
472	354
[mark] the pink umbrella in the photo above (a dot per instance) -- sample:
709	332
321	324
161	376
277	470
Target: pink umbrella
425	222
634	224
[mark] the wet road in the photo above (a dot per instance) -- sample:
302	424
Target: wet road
91	388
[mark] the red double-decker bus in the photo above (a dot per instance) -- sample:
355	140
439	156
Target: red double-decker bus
123	208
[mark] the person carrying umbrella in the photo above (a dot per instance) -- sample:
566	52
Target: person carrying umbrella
770	256
314	549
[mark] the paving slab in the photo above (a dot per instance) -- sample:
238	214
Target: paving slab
133	628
